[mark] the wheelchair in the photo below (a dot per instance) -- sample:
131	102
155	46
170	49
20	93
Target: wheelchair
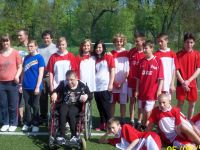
84	126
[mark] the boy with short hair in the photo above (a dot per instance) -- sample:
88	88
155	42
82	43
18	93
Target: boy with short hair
188	70
135	55
73	93
127	137
168	58
173	126
149	81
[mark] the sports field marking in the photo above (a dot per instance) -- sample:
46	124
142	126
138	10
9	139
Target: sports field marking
38	134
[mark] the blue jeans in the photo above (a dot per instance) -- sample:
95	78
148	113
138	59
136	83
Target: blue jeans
9	102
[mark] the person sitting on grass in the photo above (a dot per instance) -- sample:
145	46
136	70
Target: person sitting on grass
73	93
174	128
126	137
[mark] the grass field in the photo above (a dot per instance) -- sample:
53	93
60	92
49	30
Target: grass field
24	142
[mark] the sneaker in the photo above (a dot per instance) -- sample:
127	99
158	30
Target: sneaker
12	128
74	139
35	129
132	122
138	125
25	128
61	140
4	128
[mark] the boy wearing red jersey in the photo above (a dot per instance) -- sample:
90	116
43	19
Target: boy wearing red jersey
168	58
172	124
135	55
128	138
149	80
188	70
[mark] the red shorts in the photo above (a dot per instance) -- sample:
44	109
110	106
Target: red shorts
191	96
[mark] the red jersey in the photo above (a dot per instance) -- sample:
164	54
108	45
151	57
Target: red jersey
134	57
149	73
129	134
188	62
169	61
166	121
59	64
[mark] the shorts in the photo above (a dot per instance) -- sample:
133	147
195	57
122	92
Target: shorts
147	105
131	91
121	98
191	96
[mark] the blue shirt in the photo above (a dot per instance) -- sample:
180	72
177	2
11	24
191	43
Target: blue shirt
31	67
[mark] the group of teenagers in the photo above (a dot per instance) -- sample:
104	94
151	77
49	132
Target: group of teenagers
139	74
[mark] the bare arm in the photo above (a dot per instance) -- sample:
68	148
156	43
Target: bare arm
194	76
149	126
51	81
172	87
112	77
132	145
39	80
18	73
181	80
160	85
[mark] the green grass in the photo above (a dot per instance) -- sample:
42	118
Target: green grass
14	142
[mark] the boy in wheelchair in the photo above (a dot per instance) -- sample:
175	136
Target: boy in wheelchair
72	93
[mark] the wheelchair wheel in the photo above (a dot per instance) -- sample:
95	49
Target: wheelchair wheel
83	144
88	121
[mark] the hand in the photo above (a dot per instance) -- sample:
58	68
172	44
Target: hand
54	97
172	88
16	79
158	93
20	89
37	91
110	87
135	94
117	85
186	83
83	98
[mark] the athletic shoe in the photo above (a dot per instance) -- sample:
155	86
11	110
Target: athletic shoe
25	128
35	129
138	125
132	122
74	139
4	128
12	128
61	140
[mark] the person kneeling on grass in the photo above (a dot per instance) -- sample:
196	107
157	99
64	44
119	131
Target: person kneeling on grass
174	128
73	93
126	137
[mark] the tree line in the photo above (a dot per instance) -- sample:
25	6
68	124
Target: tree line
101	19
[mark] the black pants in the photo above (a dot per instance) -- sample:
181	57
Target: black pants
70	113
103	100
31	102
44	98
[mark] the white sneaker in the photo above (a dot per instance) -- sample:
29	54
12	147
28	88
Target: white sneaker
4	128
25	128
74	139
12	128
61	140
35	129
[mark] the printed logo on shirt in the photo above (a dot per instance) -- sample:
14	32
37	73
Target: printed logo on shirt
30	64
154	67
146	72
